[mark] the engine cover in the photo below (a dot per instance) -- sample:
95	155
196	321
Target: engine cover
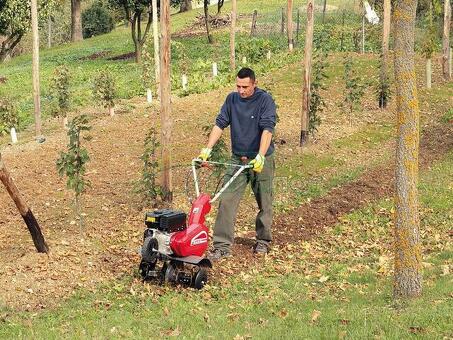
192	241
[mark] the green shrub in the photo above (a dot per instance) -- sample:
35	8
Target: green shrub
104	89
59	89
96	20
254	49
8	116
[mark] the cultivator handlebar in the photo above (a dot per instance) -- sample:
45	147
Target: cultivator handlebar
196	162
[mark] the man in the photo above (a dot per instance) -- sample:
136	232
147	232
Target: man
250	113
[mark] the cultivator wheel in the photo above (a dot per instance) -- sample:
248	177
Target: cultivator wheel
200	278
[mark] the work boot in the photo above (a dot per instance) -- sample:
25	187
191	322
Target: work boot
260	248
217	254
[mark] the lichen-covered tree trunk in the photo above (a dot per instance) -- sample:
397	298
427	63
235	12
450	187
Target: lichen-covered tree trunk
76	20
407	277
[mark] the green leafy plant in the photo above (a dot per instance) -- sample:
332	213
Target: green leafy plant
147	185
354	88
72	163
319	75
254	49
96	20
8	116
59	89
104	90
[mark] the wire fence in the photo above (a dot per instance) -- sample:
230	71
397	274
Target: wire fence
346	26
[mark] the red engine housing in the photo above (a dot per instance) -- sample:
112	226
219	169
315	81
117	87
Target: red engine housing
194	239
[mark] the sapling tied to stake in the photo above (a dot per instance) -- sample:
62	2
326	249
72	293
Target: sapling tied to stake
59	89
147	185
148	73
9	119
319	75
104	90
72	163
354	88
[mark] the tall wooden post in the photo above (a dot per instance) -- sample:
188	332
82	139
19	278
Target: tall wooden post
407	275
385	49
283	21
35	66
156	45
446	69
289	25
233	36
24	210
307	75
165	100
253	28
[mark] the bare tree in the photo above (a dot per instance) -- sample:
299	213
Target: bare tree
186	5
24	210
76	20
307	75
407	277
446	58
206	20
165	103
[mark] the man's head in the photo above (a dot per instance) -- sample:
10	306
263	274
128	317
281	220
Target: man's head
246	82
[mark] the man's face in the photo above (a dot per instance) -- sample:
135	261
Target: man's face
245	87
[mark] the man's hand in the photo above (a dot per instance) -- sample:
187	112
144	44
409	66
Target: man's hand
258	163
204	154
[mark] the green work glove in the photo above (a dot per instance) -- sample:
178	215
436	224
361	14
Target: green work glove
204	154
258	163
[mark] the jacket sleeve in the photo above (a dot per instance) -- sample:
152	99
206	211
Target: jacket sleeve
268	115
223	119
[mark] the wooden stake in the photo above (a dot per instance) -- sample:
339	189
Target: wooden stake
283	21
35	66
307	75
233	36
446	69
24	210
253	29
290	25
156	46
165	102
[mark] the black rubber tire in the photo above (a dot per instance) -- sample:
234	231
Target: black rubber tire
145	268
201	278
170	273
148	255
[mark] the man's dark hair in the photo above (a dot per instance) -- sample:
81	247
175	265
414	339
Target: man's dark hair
246	72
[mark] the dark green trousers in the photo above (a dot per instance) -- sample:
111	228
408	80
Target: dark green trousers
262	187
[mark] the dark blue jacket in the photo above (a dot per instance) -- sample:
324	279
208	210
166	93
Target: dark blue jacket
248	117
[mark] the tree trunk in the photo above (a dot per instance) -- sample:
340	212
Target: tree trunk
446	40
7	45
385	51
24	210
307	75
156	46
290	25
165	102
186	5
407	277
206	19
298	27
35	67
324	10
253	29
233	36
219	5
76	20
